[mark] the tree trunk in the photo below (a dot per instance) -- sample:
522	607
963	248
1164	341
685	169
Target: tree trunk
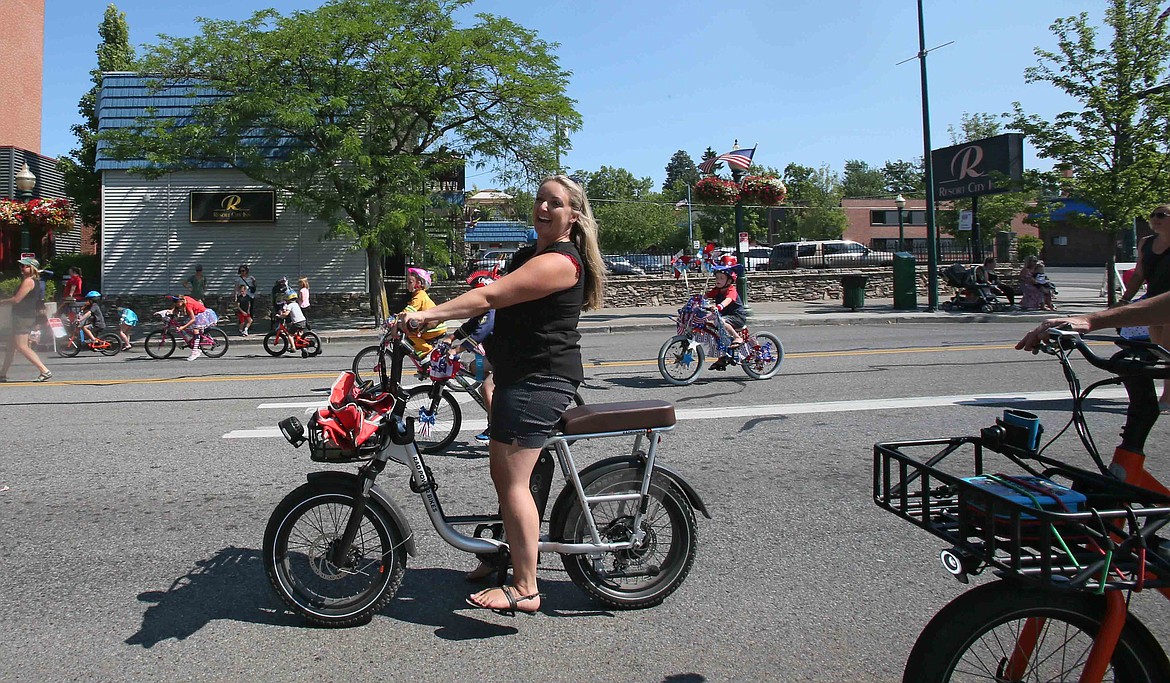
377	286
1111	271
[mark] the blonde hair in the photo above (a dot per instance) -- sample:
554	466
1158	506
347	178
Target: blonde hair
303	282
584	236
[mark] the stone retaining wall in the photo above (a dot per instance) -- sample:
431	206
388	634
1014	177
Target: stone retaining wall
621	291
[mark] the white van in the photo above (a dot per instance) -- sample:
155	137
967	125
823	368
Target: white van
839	254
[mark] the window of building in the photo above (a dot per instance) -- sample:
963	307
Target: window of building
909	217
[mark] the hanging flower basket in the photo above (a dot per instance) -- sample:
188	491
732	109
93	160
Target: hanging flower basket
763	190
54	213
714	190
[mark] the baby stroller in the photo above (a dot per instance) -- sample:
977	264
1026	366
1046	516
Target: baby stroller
970	294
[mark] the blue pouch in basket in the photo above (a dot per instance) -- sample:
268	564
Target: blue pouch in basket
1051	496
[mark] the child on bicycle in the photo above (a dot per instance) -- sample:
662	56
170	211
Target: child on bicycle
417	281
92	320
294	321
199	318
127	321
726	299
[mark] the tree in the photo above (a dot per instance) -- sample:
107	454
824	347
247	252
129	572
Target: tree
907	178
358	105
616	183
862	181
680	172
815	197
1117	141
83	184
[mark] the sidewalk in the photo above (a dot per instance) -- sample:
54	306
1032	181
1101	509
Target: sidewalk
1072	300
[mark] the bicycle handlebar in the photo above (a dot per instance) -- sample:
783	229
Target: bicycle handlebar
1136	358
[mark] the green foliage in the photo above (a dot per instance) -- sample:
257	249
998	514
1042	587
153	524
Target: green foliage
680	172
907	178
615	183
1026	246
369	99
1115	139
814	195
862	181
82	182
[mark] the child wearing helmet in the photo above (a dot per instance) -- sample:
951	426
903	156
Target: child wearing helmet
294	320
92	320
726	299
417	281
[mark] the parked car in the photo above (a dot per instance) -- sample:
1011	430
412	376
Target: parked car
618	266
757	258
650	263
492	257
783	256
839	254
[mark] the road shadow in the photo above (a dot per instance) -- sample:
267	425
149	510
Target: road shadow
232	585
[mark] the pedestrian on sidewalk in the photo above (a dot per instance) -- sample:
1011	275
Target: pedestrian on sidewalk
245	278
25	306
985	274
196	284
243	309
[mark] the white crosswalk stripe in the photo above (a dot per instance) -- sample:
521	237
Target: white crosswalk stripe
475	426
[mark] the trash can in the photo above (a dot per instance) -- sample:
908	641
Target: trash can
905	282
853	290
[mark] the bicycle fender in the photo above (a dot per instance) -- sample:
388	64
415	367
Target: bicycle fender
568	496
347	481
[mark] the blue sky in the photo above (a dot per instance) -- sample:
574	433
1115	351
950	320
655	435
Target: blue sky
808	81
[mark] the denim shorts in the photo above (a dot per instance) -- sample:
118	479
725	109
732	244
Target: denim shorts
524	413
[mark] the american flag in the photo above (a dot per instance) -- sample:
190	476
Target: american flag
737	158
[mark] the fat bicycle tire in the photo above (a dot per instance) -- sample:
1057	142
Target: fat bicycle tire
680	360
314	344
159	344
113	344
275	344
666	554
219	345
448	419
297	540
973	637
765	354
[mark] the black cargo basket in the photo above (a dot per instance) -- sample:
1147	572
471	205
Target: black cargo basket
322	450
1105	545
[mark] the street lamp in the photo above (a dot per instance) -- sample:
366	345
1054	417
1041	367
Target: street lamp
25	182
900	202
741	285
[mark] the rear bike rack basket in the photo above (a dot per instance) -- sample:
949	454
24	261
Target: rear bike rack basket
1108	541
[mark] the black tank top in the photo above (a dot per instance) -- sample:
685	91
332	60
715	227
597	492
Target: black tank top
1156	268
30	305
540	337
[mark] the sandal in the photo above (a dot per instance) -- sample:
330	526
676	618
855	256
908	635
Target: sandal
510	593
44	377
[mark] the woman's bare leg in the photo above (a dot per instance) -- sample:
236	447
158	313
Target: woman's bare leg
511	468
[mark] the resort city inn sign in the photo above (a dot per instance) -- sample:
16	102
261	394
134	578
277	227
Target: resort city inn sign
245	206
984	166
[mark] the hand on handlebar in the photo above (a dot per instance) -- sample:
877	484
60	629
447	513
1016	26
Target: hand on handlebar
1034	340
410	322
